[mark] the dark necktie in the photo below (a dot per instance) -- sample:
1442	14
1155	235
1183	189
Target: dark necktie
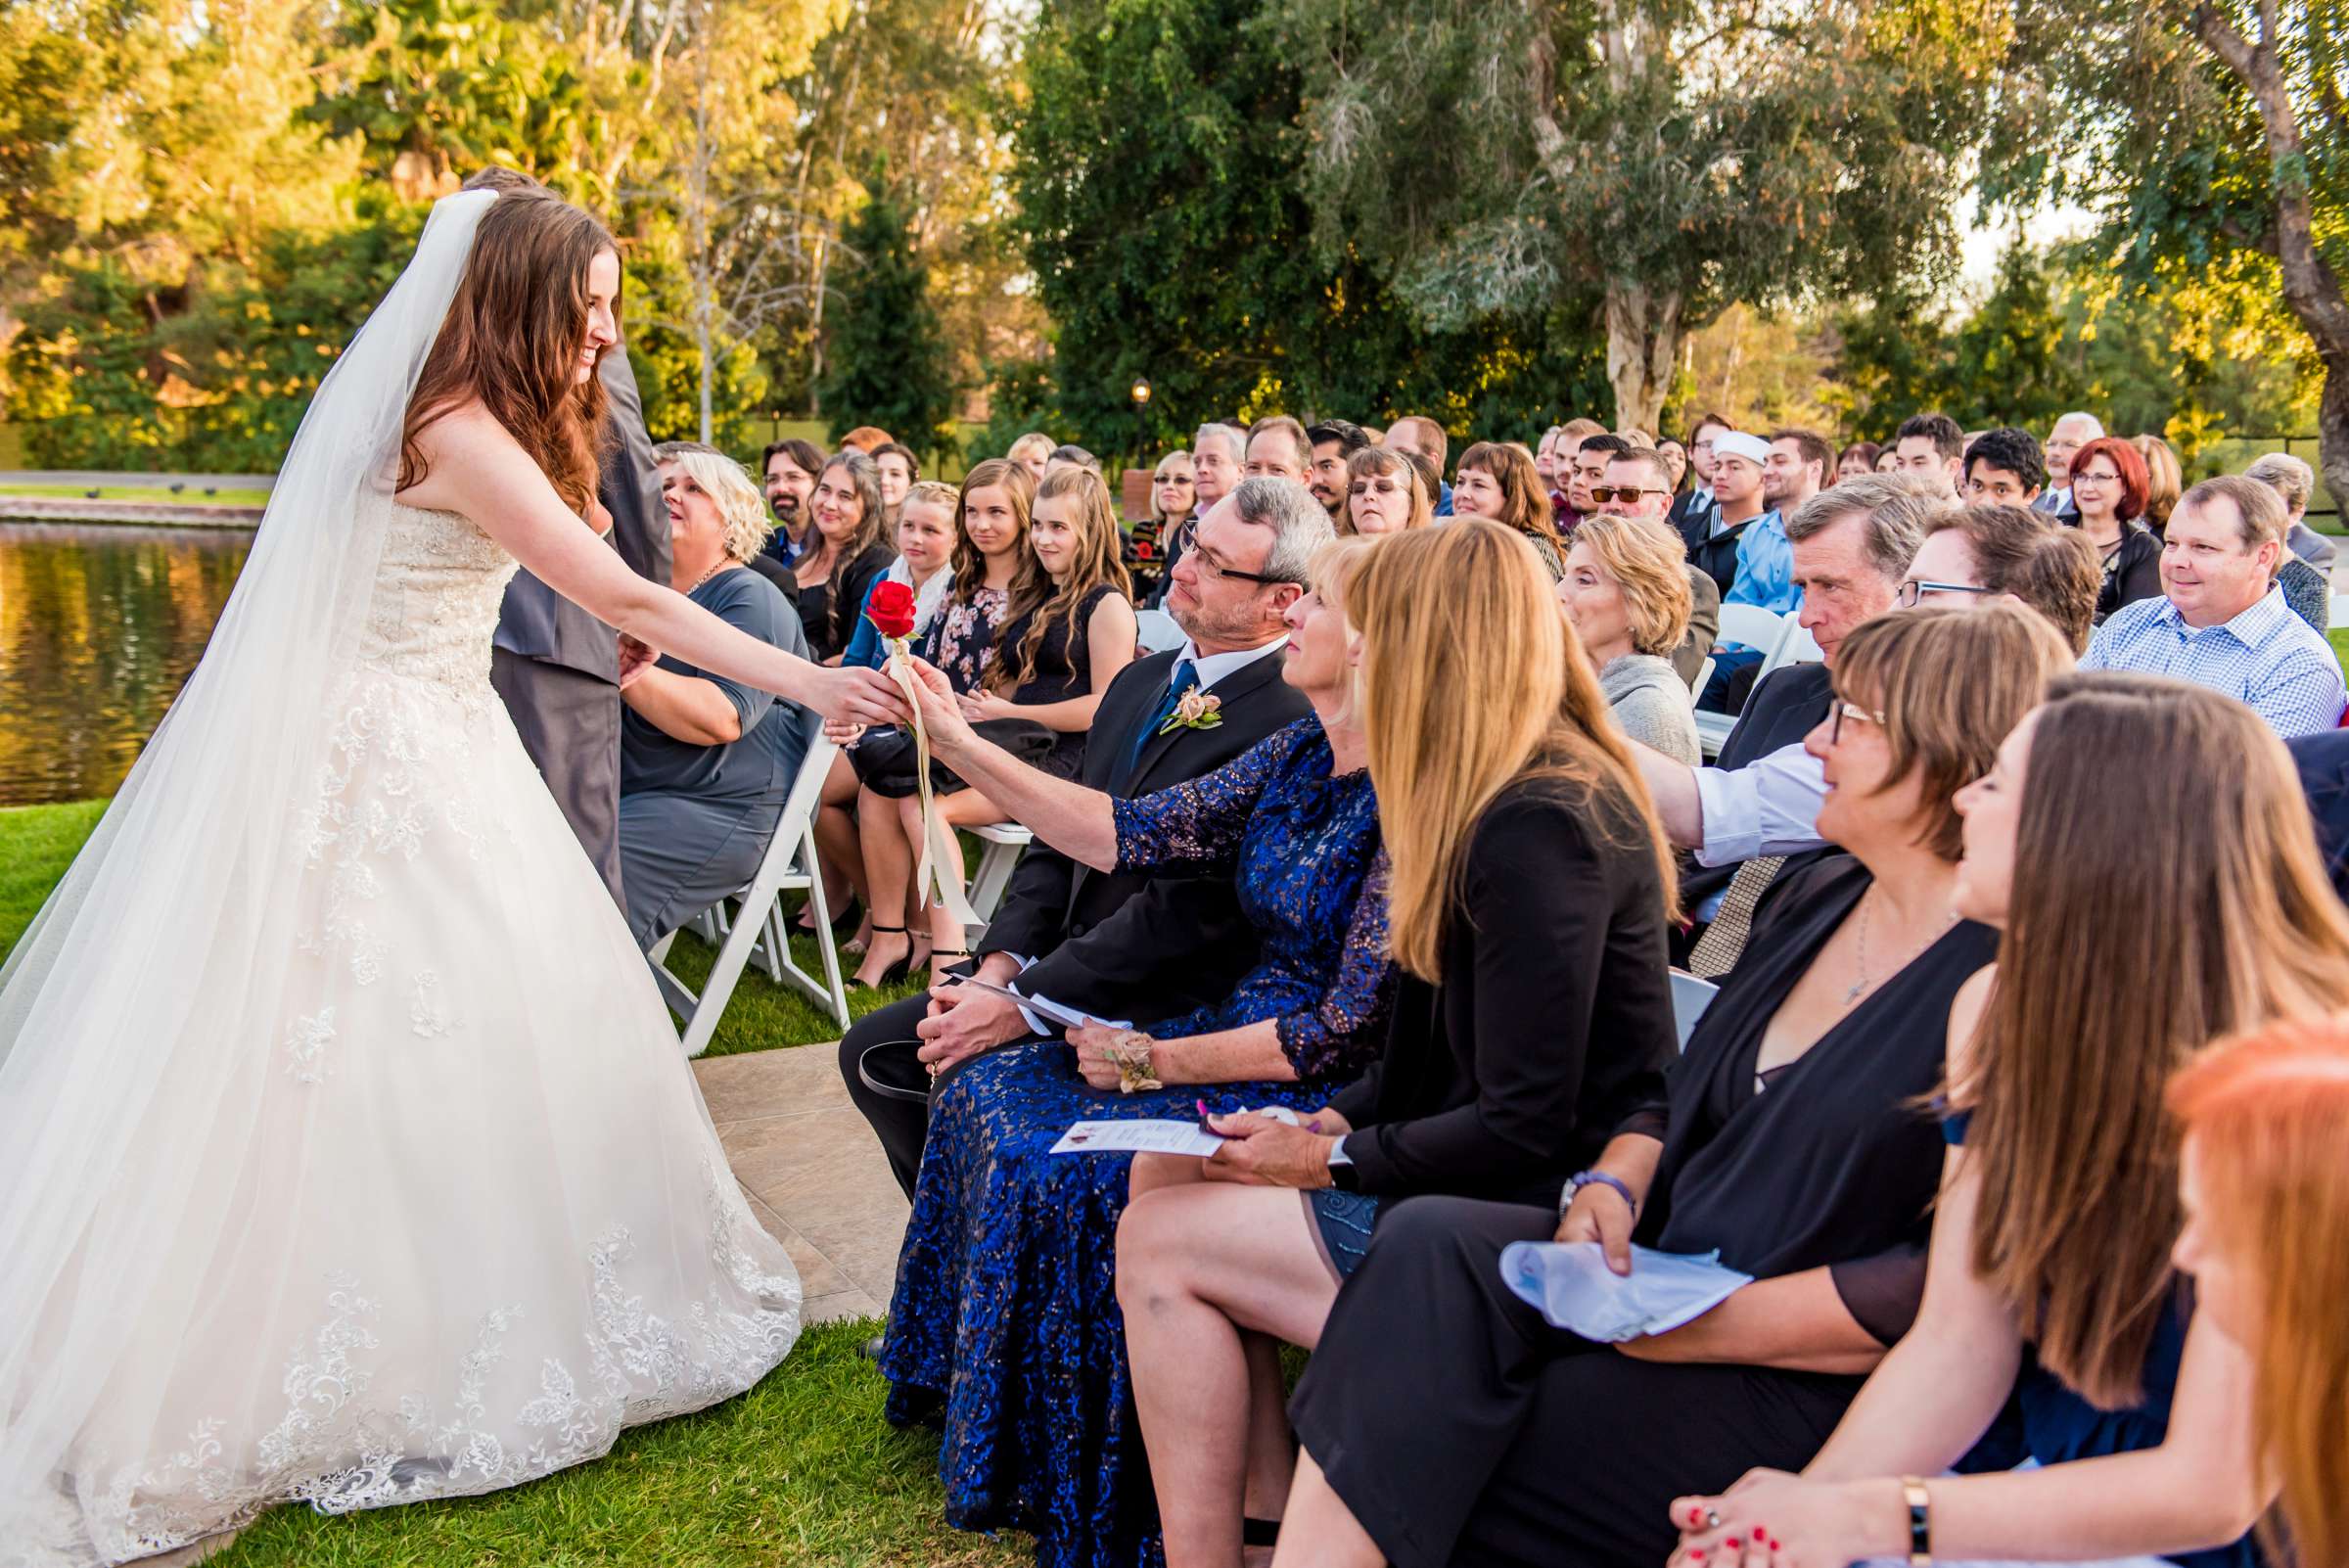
1185	681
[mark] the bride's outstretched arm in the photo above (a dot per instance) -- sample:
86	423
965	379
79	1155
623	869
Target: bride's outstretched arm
476	468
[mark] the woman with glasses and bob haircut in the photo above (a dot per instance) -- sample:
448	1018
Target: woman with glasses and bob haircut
2057	1229
1385	493
1437	1403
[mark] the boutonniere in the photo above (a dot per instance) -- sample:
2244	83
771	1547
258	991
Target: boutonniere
1196	710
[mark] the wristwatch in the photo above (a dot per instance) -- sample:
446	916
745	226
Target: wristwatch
1921	1521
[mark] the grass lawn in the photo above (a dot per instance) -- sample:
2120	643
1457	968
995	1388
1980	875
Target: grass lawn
160	495
800	1470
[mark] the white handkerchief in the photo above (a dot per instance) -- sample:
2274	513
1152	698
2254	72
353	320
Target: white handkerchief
1575	1290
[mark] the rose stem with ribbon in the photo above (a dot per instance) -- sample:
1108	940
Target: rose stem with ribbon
890	609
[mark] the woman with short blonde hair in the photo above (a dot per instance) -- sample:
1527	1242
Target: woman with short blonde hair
1527	899
1625	593
743	509
1385	493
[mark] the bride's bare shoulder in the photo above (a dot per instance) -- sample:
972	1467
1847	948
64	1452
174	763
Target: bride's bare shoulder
450	446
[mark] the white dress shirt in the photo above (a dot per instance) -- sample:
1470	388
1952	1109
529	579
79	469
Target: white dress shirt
1767	807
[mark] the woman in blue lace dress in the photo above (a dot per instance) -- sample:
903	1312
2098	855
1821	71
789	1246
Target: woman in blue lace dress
1005	1314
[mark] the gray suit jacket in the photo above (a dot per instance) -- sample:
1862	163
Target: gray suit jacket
537	622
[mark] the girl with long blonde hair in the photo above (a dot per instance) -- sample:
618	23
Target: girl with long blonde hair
2059	1209
1528	891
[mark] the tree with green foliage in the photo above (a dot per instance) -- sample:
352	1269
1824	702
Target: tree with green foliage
887	359
1656	159
1157	160
2202	133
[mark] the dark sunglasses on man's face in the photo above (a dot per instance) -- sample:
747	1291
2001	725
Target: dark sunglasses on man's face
1627	493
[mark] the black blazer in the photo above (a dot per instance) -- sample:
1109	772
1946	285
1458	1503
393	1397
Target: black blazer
1103	940
1552	1021
1786	705
2323	764
1716	556
1692	516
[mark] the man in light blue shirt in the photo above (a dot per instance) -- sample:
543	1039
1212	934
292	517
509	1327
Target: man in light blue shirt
2221	620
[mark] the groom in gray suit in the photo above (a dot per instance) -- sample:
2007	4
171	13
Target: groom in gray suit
556	666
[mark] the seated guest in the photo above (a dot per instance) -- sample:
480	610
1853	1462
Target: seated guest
1930	449
1584	468
1637	484
1739	460
1974	552
843	554
2307	591
898	469
1857	461
1066	456
1694	508
2004	467
1386	493
2266	1215
866	438
1032	451
1418	435
2222	621
2323	762
704	762
1554	463
1437	1403
1625	593
1800	465
1087	939
1527	893
2058	1212
2165	480
1277	450
1219	451
1497	480
2065	437
1676	462
1333	441
2107	495
1173	499
1004	1309
988	557
789	467
2296	481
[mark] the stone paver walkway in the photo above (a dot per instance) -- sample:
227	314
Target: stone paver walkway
815	1174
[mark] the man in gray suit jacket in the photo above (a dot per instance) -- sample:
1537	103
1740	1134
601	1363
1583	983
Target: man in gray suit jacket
558	667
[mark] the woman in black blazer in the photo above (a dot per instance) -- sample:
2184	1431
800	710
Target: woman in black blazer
1529	894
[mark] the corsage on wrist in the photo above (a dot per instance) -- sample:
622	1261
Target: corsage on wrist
1129	1052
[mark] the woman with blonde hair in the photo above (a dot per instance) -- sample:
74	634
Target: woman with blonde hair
2165	480
1386	493
2265	1191
1527	897
1785	1141
1625	593
2058	1216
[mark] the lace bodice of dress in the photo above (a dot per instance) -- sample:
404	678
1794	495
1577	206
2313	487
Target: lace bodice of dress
435	601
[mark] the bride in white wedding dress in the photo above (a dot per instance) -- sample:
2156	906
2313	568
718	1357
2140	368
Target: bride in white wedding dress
346	1155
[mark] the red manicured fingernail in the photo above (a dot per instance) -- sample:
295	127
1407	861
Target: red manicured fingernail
1696	1554
1773	1545
1696	1516
1760	1534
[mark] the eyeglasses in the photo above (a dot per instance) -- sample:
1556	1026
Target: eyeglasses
1383	486
1214	570
1626	493
1916	588
1170	478
2096	477
1838	710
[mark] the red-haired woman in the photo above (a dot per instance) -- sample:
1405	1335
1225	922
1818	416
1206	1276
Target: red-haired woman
2108	486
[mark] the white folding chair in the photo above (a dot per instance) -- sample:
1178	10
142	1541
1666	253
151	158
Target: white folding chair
1690	996
1799	648
1763	630
1003	842
1704	672
1155	631
2340	610
789	865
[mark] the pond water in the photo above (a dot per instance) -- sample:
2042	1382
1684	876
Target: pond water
98	625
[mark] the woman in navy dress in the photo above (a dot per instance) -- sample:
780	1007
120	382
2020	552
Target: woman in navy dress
2054	1233
1005	1313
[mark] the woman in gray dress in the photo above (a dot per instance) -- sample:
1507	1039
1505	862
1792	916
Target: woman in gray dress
705	762
1626	594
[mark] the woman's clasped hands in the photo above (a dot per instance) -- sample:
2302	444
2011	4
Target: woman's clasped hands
1771	1519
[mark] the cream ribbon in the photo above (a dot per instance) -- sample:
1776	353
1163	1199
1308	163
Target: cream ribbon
938	847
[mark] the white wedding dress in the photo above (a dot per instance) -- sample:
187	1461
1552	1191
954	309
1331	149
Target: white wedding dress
418	1199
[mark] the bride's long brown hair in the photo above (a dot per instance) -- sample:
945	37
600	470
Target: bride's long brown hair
512	341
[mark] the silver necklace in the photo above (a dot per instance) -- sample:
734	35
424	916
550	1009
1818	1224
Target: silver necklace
722	564
1859	955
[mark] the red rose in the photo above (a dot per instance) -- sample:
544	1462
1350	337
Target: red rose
890	609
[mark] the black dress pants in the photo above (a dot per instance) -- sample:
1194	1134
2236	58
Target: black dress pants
1460	1427
902	1124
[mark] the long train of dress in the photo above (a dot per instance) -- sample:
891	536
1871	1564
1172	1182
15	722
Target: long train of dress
478	1221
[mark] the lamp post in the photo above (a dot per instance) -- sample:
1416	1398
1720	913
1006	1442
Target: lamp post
1139	392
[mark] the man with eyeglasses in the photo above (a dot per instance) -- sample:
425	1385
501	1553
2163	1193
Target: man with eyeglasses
1102	941
1758	806
1637	483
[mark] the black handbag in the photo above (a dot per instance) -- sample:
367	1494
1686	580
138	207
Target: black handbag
884	760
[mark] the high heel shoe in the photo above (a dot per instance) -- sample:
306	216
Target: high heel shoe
894	971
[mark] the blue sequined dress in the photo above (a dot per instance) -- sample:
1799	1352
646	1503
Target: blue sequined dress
1005	1313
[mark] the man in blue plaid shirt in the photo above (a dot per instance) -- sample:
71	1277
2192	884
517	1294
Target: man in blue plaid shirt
2221	620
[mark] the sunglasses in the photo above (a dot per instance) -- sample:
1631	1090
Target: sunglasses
1626	493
